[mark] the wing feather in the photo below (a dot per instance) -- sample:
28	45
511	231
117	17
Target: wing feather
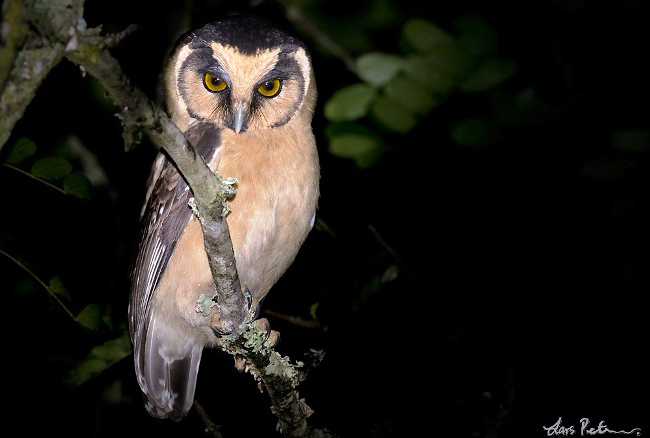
164	217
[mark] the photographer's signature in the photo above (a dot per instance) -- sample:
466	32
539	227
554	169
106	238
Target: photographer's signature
558	429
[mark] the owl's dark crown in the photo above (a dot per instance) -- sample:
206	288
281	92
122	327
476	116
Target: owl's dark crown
246	32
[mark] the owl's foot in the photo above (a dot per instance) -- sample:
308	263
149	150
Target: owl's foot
225	327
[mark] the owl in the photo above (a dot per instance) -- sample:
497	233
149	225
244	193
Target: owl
243	93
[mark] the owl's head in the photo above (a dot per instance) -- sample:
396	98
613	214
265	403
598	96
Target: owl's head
240	73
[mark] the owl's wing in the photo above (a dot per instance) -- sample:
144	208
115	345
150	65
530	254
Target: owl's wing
164	218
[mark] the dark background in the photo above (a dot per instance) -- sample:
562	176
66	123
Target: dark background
522	265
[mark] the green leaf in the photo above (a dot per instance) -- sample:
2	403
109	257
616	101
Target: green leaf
57	287
631	140
377	68
313	310
491	73
607	168
423	70
363	149
23	148
90	317
334	129
113	350
352	140
477	36
78	185
393	115
452	62
351	145
86	370
51	168
410	94
475	132
349	103
100	358
439	70
424	36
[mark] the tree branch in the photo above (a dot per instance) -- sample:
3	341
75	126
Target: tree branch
139	114
23	67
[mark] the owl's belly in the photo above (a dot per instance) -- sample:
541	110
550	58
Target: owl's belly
266	238
277	190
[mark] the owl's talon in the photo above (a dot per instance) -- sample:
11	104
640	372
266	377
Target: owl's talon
219	332
215	325
273	339
253	312
264	326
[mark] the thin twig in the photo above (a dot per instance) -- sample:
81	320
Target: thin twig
39	281
210	428
389	249
296	16
295	320
36	178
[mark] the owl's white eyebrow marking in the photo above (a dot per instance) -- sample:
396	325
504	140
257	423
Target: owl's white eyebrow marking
182	56
302	59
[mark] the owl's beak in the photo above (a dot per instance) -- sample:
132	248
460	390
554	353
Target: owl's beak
240	117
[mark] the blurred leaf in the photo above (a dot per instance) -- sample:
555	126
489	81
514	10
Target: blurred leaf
390	274
86	370
334	129
100	358
369	289
451	61
393	115
351	145
378	68
423	70
363	149
78	185
380	13
313	310
476	36
90	317
51	168
410	94
424	36
113	350
57	287
352	140
23	148
439	69
475	132
631	140
491	73
607	169
349	103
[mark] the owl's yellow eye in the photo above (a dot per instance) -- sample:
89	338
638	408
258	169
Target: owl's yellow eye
270	88
214	83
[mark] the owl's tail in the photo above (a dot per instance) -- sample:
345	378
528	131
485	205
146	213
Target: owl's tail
167	380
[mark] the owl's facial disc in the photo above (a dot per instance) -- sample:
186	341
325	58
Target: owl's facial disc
238	89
